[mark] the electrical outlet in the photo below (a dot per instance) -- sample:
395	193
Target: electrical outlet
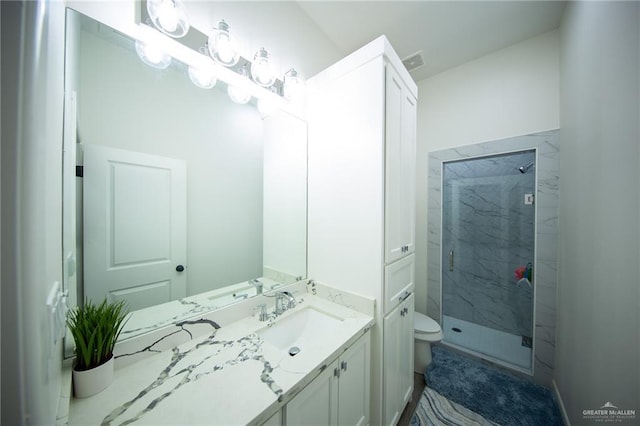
57	310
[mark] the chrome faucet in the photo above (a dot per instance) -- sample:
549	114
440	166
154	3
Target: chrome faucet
263	312
291	301
284	301
258	284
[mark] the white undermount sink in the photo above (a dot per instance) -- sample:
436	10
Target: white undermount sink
299	329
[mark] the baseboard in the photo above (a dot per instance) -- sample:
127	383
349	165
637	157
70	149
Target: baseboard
556	392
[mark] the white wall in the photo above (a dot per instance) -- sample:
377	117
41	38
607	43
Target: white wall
598	324
512	92
32	100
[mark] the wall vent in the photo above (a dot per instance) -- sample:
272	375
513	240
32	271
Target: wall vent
413	61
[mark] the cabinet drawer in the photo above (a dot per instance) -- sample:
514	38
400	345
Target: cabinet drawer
399	281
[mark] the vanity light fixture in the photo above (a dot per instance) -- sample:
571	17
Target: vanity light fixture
152	55
292	85
261	71
239	93
221	47
169	16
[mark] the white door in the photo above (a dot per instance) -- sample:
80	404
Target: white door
135	226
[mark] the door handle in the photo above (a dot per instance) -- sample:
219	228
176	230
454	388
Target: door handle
450	260
179	268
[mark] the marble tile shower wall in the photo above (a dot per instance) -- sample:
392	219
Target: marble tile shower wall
546	235
491	231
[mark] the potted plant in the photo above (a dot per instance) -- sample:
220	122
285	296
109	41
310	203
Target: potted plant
95	330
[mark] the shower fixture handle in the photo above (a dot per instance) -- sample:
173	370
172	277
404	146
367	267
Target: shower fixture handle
450	260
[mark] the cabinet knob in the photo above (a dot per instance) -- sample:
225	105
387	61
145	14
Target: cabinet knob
336	372
343	365
179	268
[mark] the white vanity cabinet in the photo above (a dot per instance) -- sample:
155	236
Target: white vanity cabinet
361	203
339	395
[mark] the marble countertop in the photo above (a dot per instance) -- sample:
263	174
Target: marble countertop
228	376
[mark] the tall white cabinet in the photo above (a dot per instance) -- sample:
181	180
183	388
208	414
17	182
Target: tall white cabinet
361	204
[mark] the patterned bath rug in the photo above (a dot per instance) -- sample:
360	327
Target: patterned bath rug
436	410
493	393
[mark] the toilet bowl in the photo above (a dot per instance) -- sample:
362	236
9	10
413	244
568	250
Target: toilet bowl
425	332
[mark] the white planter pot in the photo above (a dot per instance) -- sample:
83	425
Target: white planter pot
90	382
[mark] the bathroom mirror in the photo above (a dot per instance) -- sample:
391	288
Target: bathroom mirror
241	197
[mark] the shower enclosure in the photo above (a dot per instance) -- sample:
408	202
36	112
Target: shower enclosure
488	237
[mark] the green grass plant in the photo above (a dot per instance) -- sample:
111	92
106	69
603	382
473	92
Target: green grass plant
95	330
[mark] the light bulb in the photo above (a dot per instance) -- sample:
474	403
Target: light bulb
225	50
220	46
238	94
292	86
202	77
261	69
167	16
152	55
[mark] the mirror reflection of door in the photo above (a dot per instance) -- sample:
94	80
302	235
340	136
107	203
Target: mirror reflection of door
134	226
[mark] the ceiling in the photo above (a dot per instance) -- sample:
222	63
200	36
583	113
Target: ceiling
448	33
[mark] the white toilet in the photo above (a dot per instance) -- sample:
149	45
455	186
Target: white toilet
425	332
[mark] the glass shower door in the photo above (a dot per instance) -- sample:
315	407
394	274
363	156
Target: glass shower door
488	255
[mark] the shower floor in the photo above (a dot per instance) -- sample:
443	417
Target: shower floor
496	344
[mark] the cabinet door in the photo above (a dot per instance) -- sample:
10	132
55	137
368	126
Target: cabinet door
398	356
408	170
391	364
353	406
400	140
317	404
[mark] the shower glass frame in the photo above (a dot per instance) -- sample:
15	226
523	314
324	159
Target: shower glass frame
485	216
